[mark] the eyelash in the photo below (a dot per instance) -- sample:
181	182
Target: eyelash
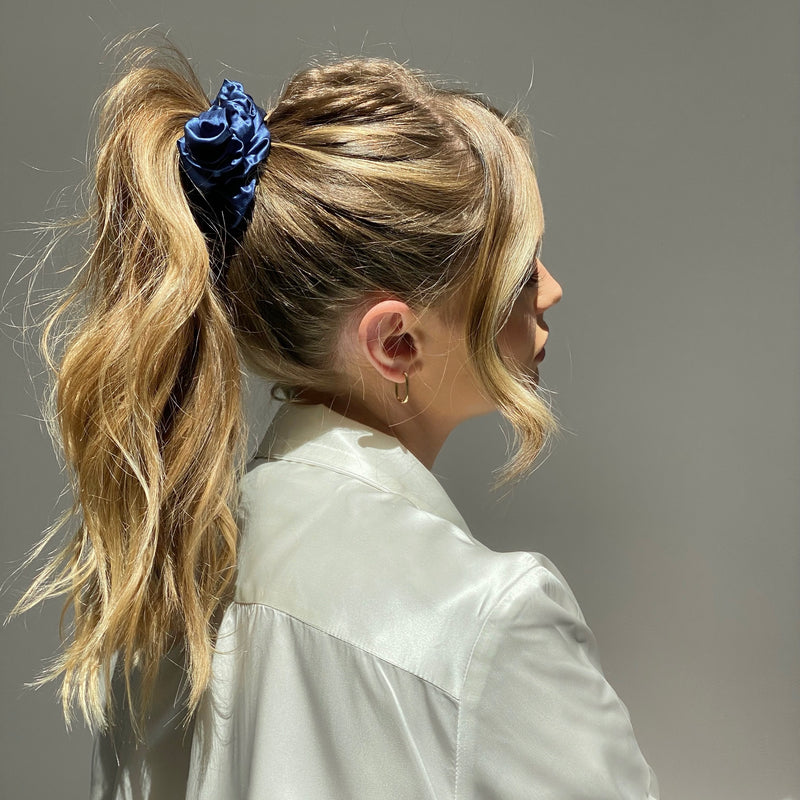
534	276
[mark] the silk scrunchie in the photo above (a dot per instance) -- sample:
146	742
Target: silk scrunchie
219	153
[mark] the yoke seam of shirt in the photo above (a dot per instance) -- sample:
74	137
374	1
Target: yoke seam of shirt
506	595
351	643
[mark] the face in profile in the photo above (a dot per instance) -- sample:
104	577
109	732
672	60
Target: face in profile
521	340
523	337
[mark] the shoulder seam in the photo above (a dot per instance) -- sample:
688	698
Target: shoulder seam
506	595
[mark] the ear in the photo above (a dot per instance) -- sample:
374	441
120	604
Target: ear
387	336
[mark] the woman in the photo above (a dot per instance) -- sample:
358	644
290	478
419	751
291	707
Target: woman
319	621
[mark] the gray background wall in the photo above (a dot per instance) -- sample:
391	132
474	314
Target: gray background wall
667	139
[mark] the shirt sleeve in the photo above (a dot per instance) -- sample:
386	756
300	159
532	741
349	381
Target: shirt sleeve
538	718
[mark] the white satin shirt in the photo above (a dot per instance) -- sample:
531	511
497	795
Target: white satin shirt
376	650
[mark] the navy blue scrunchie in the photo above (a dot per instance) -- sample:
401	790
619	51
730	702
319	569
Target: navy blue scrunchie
219	153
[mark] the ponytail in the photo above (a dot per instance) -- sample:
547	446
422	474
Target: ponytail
146	401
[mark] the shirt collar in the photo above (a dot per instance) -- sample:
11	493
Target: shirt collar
316	434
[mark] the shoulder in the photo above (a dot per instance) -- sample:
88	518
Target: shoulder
400	581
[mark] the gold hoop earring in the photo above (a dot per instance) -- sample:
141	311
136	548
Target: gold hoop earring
397	397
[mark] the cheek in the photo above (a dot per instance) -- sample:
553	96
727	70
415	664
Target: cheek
517	337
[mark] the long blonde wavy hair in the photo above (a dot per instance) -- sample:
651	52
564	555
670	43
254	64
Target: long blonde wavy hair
378	181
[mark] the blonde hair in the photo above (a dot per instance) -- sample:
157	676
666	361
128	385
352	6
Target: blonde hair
378	183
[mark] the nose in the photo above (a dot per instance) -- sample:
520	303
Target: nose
549	290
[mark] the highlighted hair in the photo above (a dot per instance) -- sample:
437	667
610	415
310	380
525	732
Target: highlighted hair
379	183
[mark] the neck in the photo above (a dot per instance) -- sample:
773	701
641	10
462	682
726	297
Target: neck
420	432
